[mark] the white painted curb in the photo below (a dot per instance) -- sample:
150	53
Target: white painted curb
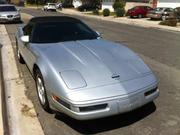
20	122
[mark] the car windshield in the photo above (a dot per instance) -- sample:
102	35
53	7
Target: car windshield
52	32
134	8
159	9
7	8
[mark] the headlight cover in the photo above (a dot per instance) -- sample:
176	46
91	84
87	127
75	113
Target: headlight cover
18	15
73	79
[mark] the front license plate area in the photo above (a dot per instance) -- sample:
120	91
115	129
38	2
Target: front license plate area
128	104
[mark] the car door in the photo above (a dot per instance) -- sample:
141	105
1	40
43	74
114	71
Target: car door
27	52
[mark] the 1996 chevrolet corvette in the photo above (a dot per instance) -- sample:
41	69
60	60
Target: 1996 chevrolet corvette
81	74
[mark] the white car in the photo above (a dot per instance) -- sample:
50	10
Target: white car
9	13
50	7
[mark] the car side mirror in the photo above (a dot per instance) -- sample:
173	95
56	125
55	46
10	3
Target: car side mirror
18	10
99	34
25	39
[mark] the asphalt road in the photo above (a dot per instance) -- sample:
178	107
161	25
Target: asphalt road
160	50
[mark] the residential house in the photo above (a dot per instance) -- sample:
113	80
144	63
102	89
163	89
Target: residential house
129	4
167	3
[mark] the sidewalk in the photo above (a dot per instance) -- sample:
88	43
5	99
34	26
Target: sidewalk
144	22
22	118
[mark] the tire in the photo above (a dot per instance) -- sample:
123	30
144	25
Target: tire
41	91
140	16
19	56
163	18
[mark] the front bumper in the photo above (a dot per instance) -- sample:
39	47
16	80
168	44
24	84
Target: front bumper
154	16
115	105
12	19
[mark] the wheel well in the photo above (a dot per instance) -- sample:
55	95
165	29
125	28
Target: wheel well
35	68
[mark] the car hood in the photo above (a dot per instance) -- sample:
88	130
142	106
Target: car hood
99	62
9	13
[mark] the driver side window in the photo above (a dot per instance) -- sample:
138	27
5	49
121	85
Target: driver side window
27	30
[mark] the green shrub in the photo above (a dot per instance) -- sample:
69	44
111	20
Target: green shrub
171	22
119	4
120	12
96	12
106	12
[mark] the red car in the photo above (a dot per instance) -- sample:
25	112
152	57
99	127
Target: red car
138	11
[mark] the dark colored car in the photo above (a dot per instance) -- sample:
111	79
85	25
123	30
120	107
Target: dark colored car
161	13
139	11
87	7
66	5
177	13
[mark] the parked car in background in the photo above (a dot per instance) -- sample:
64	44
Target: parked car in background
81	74
59	5
139	11
87	7
66	4
161	13
177	13
9	13
50	7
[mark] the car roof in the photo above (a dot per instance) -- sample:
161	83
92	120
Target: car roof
53	19
3	5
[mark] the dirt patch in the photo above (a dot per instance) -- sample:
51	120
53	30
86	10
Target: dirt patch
28	111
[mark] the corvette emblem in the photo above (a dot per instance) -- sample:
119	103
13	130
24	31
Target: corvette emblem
115	76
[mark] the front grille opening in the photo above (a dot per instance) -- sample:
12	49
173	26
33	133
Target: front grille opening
150	92
93	108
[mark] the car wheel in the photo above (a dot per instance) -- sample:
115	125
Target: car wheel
140	15
41	91
163	18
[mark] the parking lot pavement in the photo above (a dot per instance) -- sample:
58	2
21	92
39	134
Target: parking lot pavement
159	49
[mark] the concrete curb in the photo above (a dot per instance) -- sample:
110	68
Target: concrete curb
22	117
1	119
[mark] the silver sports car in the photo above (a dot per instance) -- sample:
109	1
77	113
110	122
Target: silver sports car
79	73
9	13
